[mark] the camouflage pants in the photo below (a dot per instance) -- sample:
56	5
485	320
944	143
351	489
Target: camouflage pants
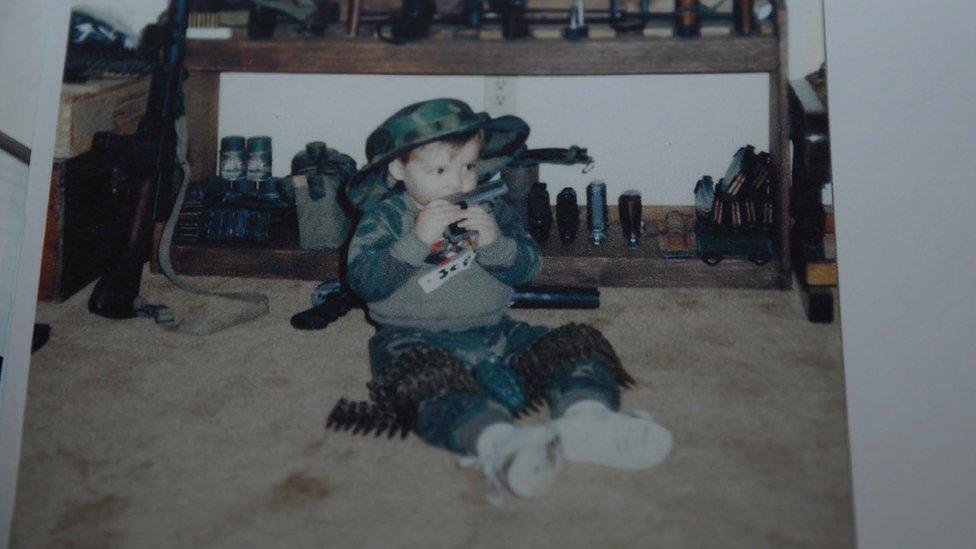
455	421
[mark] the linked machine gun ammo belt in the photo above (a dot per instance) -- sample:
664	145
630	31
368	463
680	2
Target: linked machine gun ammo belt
422	373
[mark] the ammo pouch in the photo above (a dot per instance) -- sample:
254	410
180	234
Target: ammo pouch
318	175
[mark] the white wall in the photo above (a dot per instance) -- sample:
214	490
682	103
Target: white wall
129	16
18	85
13	191
657	134
903	129
40	67
18	88
806	36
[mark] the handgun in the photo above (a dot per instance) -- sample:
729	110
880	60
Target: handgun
484	196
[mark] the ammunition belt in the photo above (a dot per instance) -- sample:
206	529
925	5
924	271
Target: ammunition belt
546	357
422	373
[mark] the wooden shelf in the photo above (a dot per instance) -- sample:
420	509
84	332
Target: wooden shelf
446	54
467	56
578	263
607	266
277	260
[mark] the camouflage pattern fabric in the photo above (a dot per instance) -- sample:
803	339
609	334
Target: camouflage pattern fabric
386	262
428	382
448	361
428	121
454	420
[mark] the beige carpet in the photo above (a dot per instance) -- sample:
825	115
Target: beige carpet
135	437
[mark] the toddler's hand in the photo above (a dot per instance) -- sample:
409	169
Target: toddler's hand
434	218
478	219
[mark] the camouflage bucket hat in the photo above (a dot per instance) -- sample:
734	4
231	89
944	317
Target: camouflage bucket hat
428	121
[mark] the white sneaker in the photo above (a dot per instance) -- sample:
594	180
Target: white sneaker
592	433
523	460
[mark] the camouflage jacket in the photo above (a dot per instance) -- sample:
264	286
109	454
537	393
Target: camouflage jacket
388	267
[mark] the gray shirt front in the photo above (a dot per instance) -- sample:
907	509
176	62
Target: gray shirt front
387	268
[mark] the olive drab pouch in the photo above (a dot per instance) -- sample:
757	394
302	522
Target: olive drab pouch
319	175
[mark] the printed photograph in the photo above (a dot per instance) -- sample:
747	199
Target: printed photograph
428	273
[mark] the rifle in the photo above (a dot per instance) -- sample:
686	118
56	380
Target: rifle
148	158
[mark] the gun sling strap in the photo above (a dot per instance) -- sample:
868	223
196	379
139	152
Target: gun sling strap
257	304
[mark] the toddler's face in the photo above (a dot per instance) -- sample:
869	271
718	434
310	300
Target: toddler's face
438	170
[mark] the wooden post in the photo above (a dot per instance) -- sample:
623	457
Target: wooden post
202	96
779	135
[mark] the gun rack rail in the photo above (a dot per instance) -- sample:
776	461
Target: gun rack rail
578	263
641	269
473	56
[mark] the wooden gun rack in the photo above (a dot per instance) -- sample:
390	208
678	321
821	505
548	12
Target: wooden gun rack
580	263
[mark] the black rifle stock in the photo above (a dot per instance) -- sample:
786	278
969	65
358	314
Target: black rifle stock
149	157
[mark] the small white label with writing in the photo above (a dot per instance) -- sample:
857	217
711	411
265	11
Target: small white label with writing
434	279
